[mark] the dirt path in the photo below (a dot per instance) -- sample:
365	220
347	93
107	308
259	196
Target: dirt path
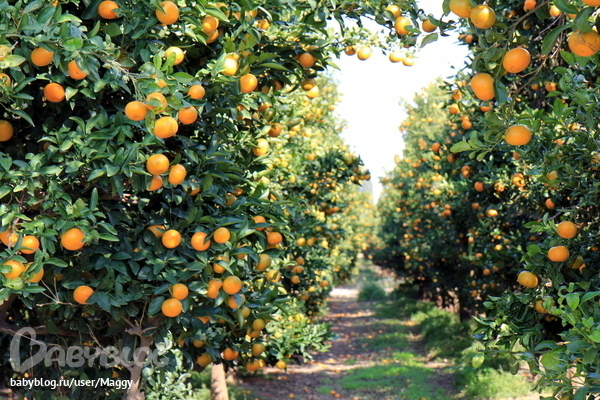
357	347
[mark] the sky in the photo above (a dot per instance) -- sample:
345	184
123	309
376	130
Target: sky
371	91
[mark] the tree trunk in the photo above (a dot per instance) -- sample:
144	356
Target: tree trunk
135	392
218	384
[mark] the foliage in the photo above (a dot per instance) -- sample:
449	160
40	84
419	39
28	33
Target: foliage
371	291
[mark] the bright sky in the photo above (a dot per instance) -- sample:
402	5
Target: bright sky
371	91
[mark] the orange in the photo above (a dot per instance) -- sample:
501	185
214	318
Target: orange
37	277
364	52
41	57
517	135
314	92
212	37
82	294
157	164
578	263
179	55
516	60
6	130
264	262
221	235
592	3
30	242
165	127
461	8
230	66
75	72
136	110
396	56
235	304
549	204
229	354
54	92
479	186
483	86
584	44
157	230
177	174
567	230
72	239
274	238
539	307
218	268
156	97
214	285
308	84
554	11
428	26
307	60
394	9
527	279
232	285
350	50
106	9
204	360
253	365
259	219
529	5
196	92
281	364
454	109
209	24
558	253
156	183
171	308
5	80
9	238
408	61
248	83
259	324
295	279
275	130
167	13
17	269
483	16
198	343
199	241
262	147
187	115
400	25
179	291
171	239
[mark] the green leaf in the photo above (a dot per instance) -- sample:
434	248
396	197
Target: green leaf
12	61
273	66
101	299
564	6
73	44
572	300
429	39
551	37
155	305
460	146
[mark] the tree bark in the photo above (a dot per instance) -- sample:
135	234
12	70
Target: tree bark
218	384
134	392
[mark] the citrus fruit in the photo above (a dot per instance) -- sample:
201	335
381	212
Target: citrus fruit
72	239
171	308
82	294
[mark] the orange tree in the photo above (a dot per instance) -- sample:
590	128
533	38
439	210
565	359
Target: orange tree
136	211
520	172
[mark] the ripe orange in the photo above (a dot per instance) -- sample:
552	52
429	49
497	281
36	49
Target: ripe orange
262	147
37	277
567	230
516	60
72	239
5	80
281	364
199	241
30	242
259	324
584	44
517	135
461	8
307	60
529	5
394	9
408	61
75	72
179	54
549	204
479	186
350	50
157	183
196	92
204	360
558	253
229	354
214	285
9	238
400	25
257	349
54	92
167	13
179	291
248	83
396	56
483	86
592	3
230	66
177	174
6	130
187	115
157	164
308	84
156	97
82	294
165	127
554	11
171	239
264	262
364	52
171	308
209	24
275	130
483	16
41	57
428	26
234	303
106	9
232	285
259	219
274	238
136	110
17	269
221	235
527	279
